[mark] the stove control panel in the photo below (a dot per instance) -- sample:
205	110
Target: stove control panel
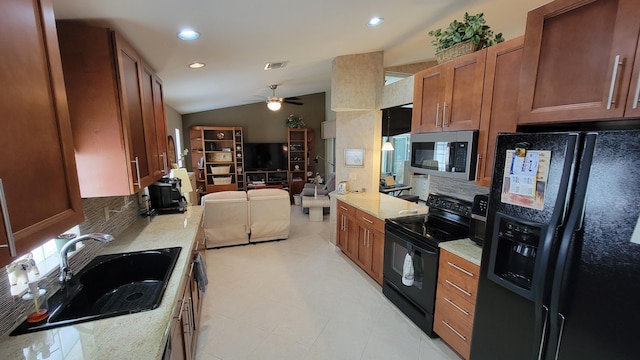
450	204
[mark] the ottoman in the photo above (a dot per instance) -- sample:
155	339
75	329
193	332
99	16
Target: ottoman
316	204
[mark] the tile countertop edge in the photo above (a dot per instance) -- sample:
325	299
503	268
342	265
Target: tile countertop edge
135	336
464	248
380	205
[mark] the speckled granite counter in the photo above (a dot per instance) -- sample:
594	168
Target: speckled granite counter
380	205
136	336
464	248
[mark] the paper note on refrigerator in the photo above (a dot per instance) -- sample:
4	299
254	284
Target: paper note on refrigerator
635	237
525	178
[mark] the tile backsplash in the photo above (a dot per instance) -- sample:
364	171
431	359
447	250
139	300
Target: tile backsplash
123	211
460	189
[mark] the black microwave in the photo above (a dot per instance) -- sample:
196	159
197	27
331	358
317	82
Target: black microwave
446	153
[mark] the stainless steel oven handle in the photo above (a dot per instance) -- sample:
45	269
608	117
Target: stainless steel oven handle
458	288
11	242
460	269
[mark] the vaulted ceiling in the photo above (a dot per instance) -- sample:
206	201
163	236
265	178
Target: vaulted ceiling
237	39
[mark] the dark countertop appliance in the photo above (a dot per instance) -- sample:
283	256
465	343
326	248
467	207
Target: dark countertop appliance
411	253
560	273
166	196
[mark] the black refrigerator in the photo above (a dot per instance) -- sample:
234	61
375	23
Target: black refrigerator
560	272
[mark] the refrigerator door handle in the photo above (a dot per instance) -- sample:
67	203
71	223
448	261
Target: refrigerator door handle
544	332
562	318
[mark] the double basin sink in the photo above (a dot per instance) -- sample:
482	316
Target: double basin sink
110	285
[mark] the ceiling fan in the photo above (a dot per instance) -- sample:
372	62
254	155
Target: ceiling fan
275	103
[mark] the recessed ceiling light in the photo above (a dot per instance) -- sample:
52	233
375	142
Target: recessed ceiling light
188	34
197	65
375	21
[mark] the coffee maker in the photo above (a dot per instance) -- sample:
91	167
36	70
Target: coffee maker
166	196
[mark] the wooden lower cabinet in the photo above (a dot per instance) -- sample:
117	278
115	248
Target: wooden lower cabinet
361	238
186	318
455	301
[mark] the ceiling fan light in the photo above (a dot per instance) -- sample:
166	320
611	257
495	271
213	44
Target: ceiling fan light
388	146
274	105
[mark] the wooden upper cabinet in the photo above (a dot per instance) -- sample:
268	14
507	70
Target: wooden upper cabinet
111	104
447	97
41	197
578	61
428	97
154	122
499	102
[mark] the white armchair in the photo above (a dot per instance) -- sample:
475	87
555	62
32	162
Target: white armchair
226	218
269	214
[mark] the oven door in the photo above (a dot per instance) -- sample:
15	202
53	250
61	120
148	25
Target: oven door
422	292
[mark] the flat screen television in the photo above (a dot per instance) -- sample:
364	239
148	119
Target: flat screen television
265	156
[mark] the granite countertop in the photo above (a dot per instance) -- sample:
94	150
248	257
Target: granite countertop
135	336
464	248
381	205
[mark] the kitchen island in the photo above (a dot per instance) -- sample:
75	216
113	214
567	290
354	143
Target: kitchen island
360	219
135	336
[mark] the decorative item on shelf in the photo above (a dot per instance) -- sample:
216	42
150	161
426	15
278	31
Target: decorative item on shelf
220	135
462	38
294	121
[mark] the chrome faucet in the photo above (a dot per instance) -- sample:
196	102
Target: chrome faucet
65	270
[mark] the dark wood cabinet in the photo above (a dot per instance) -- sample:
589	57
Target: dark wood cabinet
499	102
301	157
579	62
448	97
39	187
112	111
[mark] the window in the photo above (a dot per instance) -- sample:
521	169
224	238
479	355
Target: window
393	162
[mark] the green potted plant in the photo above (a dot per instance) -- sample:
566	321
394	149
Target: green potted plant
463	37
294	121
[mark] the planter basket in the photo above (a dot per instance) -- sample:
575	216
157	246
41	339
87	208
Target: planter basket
220	170
456	50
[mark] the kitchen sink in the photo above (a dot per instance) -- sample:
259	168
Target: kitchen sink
110	285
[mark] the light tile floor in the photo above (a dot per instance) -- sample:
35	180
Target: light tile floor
301	298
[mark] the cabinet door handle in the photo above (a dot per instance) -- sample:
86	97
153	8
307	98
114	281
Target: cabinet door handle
437	114
464	338
460	269
614	80
636	96
11	243
164	162
444	115
478	167
367	220
457	307
458	288
179	317
137	172
188	310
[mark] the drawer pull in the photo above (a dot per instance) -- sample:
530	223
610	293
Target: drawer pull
343	208
459	268
458	288
464	338
367	220
457	307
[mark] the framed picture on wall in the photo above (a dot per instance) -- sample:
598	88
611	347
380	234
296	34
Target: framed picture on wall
354	157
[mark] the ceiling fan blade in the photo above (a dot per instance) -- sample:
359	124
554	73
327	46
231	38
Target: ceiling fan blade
293	98
292	102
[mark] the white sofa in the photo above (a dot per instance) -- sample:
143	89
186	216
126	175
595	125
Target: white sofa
226	218
269	213
238	217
